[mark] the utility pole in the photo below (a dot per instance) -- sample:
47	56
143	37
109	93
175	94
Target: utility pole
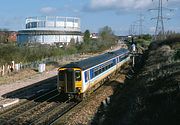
159	32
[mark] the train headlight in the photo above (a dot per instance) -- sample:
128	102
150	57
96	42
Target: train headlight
78	90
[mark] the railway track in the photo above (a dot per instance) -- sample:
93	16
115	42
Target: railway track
51	116
78	114
29	93
45	109
39	104
42	110
24	108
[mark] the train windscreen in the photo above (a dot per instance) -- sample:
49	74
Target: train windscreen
61	75
78	75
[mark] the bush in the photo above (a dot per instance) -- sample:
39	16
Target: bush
27	53
9	53
177	55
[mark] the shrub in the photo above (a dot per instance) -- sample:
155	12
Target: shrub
177	55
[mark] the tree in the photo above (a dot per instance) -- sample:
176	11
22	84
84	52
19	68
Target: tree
86	36
105	32
72	41
107	36
4	34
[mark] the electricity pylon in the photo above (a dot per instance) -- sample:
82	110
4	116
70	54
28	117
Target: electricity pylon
159	32
132	30
141	20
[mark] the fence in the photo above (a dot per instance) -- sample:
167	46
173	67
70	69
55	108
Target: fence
8	69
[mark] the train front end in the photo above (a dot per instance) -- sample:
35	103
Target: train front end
70	81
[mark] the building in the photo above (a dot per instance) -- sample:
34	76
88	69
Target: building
94	35
50	30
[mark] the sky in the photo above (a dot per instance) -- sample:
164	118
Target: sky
94	14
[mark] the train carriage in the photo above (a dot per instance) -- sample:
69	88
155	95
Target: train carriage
79	78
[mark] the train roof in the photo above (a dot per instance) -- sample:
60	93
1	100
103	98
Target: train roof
92	61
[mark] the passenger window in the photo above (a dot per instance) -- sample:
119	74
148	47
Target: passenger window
103	69
78	75
106	67
96	73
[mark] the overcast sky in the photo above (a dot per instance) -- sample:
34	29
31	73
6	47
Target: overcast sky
94	14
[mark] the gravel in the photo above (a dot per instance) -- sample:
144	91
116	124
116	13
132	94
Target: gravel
85	112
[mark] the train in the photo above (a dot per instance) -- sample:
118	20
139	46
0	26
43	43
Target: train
79	79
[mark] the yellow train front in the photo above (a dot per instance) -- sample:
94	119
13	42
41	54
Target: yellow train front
80	78
70	80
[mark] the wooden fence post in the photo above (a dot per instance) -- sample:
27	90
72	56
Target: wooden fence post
3	70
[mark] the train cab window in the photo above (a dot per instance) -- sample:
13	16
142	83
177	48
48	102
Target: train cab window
78	75
61	75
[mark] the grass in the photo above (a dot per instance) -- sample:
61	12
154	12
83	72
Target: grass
17	76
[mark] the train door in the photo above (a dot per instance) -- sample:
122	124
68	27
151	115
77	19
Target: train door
70	80
87	80
86	74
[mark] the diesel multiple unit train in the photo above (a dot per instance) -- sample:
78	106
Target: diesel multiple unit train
80	78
